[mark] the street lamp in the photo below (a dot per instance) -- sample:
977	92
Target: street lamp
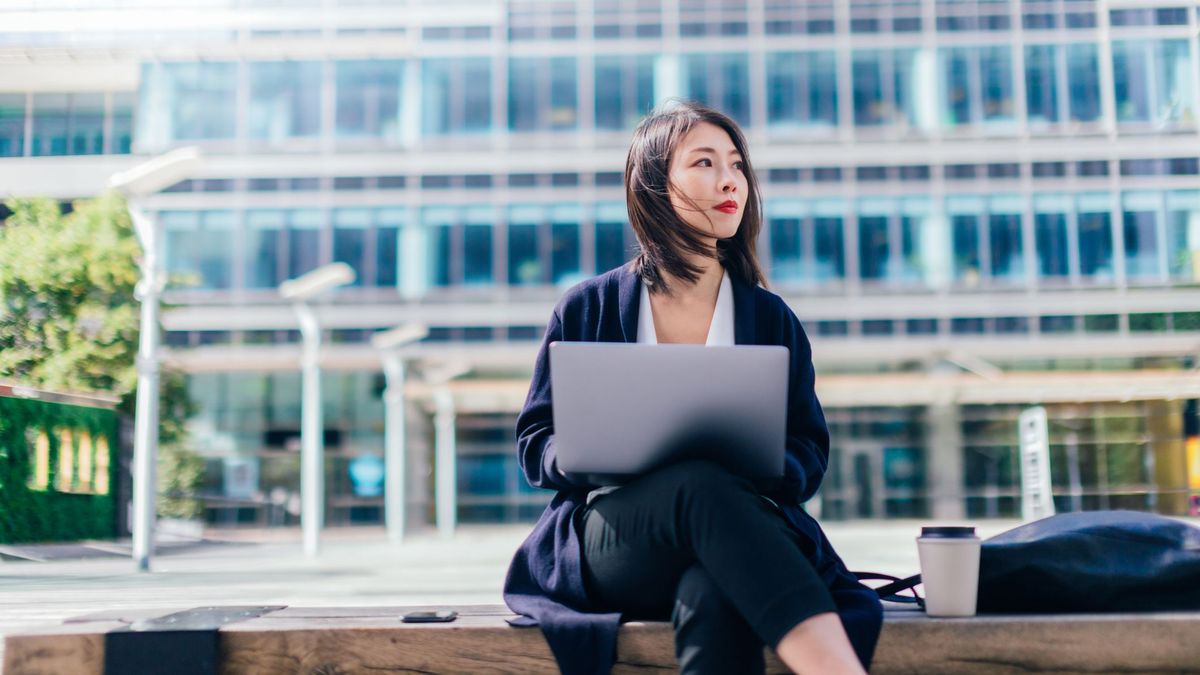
312	433
390	343
136	184
445	452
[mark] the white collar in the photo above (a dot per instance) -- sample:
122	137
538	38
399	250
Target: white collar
720	329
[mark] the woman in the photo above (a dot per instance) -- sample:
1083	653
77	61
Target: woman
732	567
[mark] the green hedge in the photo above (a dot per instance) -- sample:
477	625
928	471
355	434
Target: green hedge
31	515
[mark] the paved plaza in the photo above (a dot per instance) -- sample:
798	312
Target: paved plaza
356	567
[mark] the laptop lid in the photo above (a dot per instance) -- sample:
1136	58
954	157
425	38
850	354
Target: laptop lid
623	409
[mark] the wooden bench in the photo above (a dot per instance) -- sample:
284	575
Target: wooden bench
320	640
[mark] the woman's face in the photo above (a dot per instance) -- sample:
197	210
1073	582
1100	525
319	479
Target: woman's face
707	168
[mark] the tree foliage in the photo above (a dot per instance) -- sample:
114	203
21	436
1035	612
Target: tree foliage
69	319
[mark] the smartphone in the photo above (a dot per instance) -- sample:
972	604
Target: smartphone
430	616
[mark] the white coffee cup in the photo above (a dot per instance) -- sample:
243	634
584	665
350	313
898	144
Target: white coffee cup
949	570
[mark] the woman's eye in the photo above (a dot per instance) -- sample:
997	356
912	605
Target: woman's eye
704	160
739	166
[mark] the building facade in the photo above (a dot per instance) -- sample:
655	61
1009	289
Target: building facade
974	206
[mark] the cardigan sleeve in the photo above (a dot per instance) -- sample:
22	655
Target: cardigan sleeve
535	425
807	434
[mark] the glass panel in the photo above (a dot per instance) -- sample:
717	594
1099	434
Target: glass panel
477	254
523	79
1083	82
439	221
214	250
304	242
1095	237
1051	229
524	260
965	229
612	232
1141	212
368	98
956	86
786	251
262	251
829	249
564	102
1173	77
564	245
87	124
875	252
457	95
1005	239
476	88
388	224
802	89
350	240
996	84
12	125
1041	83
200	100
285	100
1183	235
610	97
918	257
51	114
1131	80
870	99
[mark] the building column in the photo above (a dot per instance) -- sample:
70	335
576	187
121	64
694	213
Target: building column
944	462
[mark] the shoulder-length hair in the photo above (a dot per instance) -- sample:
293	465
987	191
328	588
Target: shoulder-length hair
666	240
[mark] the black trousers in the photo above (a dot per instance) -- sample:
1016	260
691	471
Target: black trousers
696	544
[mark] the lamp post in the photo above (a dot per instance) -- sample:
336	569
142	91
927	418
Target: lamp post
390	342
312	432
136	184
445	450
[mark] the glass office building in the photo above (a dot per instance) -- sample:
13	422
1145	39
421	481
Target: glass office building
974	206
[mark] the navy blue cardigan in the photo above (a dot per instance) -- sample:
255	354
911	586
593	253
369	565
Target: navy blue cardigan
545	580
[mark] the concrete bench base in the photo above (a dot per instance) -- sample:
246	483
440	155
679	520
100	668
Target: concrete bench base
322	640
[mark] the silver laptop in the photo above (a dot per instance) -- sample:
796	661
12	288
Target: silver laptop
623	409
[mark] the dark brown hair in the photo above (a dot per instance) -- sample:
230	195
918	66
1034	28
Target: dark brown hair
664	237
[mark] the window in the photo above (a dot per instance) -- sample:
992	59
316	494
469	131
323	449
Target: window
965	215
1141	213
802	90
12	125
613	236
68	124
1183	235
1094	214
564	244
1083	82
285	100
187	101
624	90
304	241
351	228
1041	84
368	98
806	243
1005	240
1050	228
886	88
524	258
542	94
456	96
1153	82
198	247
477	246
720	81
388	224
987	70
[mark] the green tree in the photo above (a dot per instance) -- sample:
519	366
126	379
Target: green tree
69	320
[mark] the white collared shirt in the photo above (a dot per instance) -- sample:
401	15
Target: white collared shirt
720	329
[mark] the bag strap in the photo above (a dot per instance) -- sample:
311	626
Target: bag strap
891	591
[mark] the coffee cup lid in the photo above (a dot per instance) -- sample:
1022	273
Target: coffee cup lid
948	532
